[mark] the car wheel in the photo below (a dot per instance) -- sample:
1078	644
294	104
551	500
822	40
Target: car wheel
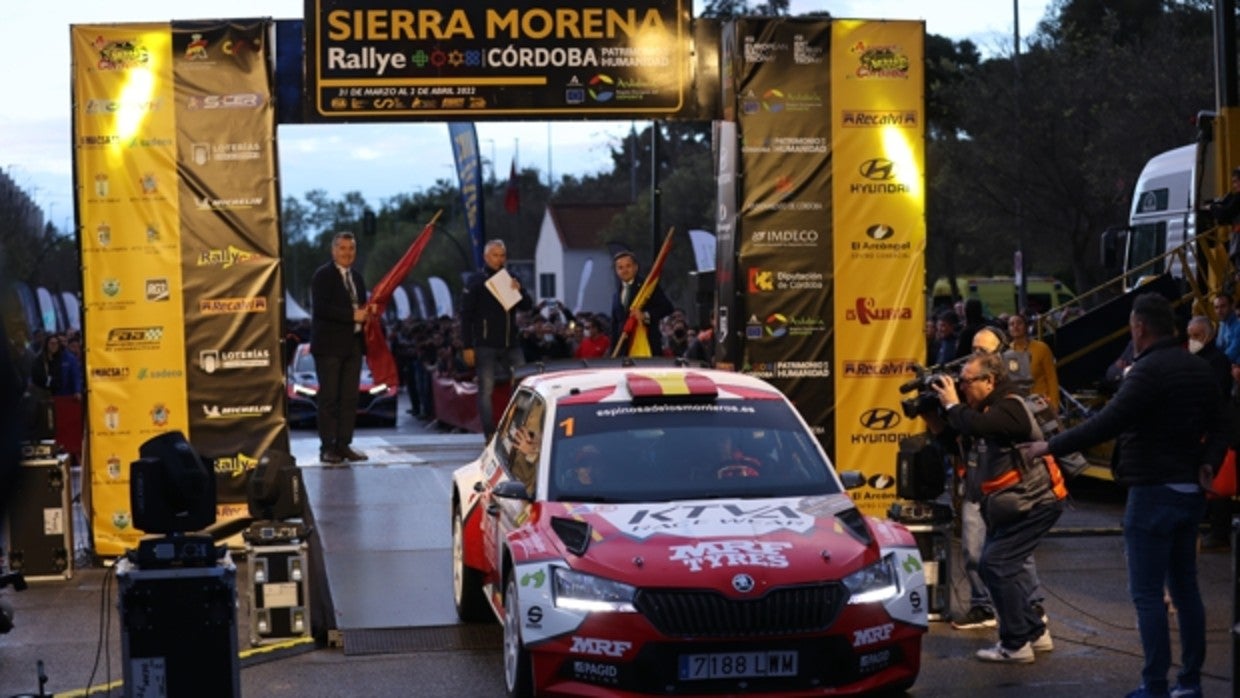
467	593
518	676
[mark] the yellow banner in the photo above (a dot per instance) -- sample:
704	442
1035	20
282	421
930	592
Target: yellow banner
878	189
125	149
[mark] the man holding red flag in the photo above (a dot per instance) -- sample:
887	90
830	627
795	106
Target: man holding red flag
338	311
638	307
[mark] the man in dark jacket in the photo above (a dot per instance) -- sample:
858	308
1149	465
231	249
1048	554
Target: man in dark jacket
1167	421
657	307
338	309
993	419
489	332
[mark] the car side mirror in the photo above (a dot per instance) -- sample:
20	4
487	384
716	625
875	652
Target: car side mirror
512	489
852	479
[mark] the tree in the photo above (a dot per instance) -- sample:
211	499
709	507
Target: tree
1050	153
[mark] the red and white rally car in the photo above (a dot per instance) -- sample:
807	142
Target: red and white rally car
671	530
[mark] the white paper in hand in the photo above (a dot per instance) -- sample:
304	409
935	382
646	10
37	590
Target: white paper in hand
500	286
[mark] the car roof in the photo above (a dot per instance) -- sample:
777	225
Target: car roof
623	383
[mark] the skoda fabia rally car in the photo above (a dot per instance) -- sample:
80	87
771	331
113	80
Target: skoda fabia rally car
676	530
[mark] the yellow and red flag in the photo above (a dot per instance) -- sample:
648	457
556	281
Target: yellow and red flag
639	344
378	353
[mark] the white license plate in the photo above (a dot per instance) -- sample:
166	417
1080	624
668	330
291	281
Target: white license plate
736	665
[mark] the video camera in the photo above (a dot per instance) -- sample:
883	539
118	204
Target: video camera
926	400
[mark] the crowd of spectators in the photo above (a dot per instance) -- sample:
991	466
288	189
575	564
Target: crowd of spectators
424	348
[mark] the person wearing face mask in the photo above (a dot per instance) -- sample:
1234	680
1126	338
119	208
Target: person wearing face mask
551	343
1218	501
677	341
1200	342
1170	438
594	344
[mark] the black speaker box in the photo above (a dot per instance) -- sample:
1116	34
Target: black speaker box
275	489
921	474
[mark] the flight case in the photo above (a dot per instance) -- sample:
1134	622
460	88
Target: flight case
179	630
279	592
38	530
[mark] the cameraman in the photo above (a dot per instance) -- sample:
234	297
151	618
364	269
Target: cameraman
990	426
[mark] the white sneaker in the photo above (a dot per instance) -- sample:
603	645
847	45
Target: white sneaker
1043	643
1001	654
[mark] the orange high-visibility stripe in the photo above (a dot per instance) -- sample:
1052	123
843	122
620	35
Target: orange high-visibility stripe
1007	479
1057	483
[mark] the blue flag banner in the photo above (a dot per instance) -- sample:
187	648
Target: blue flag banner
469	172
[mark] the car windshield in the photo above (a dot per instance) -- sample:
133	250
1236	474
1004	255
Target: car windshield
610	452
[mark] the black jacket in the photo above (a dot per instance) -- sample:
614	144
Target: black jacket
484	322
657	307
1167	419
331	312
990	435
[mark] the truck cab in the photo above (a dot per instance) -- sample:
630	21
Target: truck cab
1163	216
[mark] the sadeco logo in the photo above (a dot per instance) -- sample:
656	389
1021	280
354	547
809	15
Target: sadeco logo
601	88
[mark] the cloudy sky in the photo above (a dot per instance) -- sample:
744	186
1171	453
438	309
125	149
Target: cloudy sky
378	160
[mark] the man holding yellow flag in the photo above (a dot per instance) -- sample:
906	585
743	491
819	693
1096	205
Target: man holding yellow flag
638	306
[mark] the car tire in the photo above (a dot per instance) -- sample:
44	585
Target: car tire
518	674
467	594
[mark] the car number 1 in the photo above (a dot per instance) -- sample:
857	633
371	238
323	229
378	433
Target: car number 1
727	665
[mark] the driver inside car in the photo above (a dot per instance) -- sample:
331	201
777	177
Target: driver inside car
734	462
588	467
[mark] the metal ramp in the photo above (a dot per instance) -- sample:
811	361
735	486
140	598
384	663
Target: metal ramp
380	560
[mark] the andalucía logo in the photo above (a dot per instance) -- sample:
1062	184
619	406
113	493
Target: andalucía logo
601	88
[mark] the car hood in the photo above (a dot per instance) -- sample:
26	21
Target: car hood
705	542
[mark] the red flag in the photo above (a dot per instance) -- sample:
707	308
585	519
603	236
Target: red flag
378	353
512	197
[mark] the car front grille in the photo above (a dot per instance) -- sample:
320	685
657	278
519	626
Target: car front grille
696	613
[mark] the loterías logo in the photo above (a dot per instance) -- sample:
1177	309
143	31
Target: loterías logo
866	310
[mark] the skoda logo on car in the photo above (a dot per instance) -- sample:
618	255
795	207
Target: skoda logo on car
742	583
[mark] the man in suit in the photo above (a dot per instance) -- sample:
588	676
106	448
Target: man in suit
657	306
338	297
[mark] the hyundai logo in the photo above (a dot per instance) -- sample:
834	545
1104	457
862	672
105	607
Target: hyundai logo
878	169
742	583
880	419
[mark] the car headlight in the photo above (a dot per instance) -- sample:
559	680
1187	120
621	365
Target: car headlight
584	592
878	582
300	389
